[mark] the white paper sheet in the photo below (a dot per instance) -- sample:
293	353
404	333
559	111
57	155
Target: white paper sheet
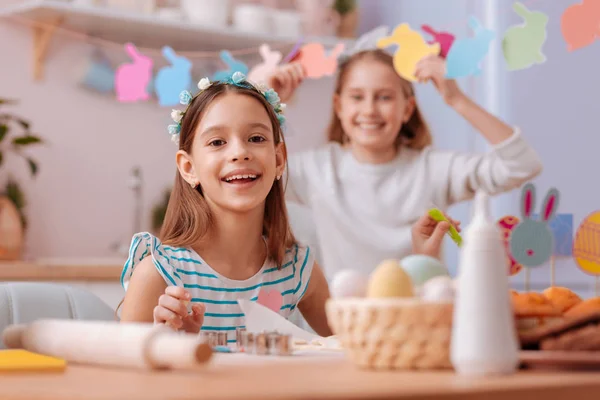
259	318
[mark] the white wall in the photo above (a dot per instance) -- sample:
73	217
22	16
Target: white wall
80	203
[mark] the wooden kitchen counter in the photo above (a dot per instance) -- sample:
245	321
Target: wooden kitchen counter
60	271
309	379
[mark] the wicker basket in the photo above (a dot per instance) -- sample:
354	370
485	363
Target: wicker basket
393	333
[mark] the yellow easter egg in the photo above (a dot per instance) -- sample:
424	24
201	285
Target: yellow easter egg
389	280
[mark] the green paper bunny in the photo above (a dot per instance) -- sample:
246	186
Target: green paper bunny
522	45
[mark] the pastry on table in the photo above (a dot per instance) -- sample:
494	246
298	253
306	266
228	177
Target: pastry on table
533	310
585	307
580	333
562	298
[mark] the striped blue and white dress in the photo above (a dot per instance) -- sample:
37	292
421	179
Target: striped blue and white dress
185	268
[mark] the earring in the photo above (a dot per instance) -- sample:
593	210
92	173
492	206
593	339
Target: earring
278	177
194	184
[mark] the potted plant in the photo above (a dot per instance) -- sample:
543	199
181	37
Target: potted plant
15	136
348	17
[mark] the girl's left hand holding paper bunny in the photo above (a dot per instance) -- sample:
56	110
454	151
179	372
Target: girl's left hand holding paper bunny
433	68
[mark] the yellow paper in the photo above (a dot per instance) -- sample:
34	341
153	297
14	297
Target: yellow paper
412	48
23	360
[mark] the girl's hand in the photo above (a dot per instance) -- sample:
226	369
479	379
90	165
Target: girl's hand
172	311
428	234
434	68
286	79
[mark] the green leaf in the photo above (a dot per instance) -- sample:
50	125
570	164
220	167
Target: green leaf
3	131
14	192
23	123
33	167
26	140
7	101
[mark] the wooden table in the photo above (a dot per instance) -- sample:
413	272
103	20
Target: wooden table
63	272
309	379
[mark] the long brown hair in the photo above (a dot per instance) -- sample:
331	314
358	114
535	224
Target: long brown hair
188	216
413	134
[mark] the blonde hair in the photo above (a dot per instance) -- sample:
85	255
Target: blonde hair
188	216
413	134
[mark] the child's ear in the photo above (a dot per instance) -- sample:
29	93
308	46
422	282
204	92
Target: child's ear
186	168
280	158
409	109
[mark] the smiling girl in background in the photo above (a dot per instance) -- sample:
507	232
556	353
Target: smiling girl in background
378	174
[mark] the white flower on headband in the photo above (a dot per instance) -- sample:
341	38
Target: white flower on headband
177	115
282	106
175	139
204	84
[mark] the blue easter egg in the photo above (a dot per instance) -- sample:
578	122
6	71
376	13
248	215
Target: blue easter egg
421	268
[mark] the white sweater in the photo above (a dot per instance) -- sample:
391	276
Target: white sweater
363	213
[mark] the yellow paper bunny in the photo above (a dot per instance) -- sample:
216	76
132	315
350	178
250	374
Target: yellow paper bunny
411	49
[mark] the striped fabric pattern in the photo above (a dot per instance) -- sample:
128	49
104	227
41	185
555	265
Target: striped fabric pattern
185	268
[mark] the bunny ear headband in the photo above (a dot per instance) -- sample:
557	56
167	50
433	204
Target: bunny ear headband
367	41
237	79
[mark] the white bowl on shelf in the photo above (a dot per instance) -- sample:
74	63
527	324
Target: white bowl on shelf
286	23
252	18
207	12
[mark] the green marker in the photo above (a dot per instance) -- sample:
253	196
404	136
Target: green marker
439	216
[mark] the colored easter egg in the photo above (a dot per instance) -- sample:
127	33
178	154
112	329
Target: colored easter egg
506	225
389	280
421	268
586	246
439	289
348	283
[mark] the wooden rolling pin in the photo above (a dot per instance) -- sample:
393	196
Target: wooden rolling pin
135	345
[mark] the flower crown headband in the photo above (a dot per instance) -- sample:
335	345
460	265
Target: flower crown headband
237	79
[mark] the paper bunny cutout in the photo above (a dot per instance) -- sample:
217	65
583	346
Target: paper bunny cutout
465	55
271	59
233	66
580	24
522	45
411	49
445	39
131	80
316	63
532	241
173	79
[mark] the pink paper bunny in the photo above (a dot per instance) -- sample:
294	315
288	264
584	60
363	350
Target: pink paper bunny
131	80
316	63
270	61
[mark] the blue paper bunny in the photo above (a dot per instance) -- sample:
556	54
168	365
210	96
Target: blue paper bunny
532	241
233	66
465	55
173	79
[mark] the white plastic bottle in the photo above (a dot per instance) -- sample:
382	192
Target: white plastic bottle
484	339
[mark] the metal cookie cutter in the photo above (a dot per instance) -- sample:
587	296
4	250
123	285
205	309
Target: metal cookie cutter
266	343
215	339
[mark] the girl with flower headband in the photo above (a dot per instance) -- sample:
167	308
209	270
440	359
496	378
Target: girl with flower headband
379	173
226	234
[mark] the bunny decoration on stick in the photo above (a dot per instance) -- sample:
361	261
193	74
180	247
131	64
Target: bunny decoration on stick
532	241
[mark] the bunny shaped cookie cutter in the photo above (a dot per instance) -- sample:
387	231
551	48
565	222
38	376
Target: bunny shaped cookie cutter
532	241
